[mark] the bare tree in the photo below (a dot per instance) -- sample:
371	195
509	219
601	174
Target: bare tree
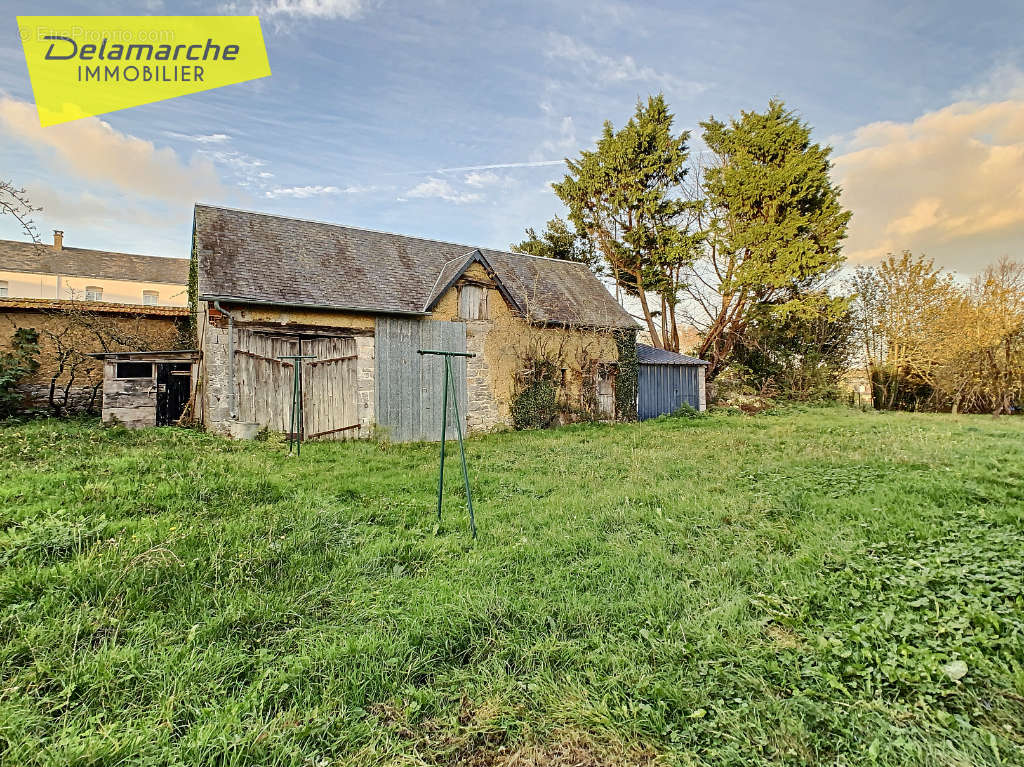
14	202
71	335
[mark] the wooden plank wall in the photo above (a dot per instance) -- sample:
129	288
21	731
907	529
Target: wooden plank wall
409	387
264	383
329	388
128	401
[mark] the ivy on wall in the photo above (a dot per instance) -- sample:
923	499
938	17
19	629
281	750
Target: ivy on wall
535	402
189	339
626	379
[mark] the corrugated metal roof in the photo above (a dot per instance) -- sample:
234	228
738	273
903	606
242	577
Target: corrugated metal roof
273	259
37	258
648	355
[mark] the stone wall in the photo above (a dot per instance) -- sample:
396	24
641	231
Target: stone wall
483	411
365	389
68	331
214	378
503	340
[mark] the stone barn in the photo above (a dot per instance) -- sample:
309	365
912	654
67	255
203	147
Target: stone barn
360	303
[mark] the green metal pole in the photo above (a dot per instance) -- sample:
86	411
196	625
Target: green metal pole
297	394
293	431
295	422
444	425
462	448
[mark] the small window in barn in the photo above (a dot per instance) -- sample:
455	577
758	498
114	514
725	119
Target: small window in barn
473	302
150	297
3	288
93	293
134	370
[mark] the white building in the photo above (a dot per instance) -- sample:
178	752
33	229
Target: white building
33	270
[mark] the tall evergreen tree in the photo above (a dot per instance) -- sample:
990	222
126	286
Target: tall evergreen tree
623	196
775	227
559	241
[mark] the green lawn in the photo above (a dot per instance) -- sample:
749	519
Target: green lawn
803	587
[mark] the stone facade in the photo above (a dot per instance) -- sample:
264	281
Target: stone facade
498	343
68	330
365	390
483	412
214	380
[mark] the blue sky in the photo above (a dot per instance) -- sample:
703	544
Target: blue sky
391	115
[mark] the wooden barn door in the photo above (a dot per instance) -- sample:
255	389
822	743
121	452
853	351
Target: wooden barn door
409	386
264	383
263	380
329	388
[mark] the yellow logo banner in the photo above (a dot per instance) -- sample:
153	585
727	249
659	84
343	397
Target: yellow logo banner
88	65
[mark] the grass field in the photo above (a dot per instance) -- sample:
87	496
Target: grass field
802	587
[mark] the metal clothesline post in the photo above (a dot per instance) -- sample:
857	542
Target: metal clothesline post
295	426
449	376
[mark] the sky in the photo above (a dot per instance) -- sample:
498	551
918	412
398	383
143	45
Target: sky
449	119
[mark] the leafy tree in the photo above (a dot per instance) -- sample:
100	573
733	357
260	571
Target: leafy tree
559	241
980	342
899	310
930	341
16	365
624	196
774	223
804	355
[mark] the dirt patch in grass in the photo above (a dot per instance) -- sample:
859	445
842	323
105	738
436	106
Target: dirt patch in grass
782	637
571	749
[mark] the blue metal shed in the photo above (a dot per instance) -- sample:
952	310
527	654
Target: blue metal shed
666	380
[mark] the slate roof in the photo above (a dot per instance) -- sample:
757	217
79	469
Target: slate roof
648	355
36	258
261	258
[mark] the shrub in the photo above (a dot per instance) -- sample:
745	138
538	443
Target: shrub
16	365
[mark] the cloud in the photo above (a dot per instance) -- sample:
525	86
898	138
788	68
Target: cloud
606	69
949	184
305	192
481	179
245	170
566	140
73	209
212	138
93	151
313	9
1005	81
441	189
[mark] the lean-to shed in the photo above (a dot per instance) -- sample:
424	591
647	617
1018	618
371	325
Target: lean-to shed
666	380
147	388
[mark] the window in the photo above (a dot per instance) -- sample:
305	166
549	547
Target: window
3	288
150	297
93	293
473	302
134	370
